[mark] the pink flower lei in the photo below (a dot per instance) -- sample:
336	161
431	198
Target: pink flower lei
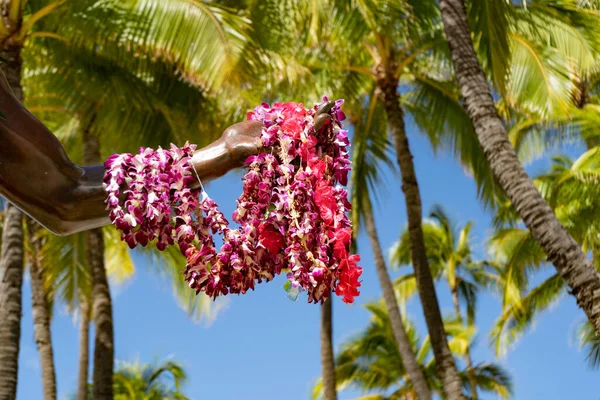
292	213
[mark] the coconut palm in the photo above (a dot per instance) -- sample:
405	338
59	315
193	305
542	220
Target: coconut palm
370	361
13	33
561	249
10	300
450	256
68	282
391	53
136	381
391	36
11	252
327	359
20	17
41	310
371	153
150	382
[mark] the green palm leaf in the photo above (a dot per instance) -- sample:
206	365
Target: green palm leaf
490	22
590	343
519	315
371	153
149	381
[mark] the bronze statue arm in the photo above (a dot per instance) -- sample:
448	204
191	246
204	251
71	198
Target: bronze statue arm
37	176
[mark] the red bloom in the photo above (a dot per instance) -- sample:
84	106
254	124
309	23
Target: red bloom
325	200
291	110
308	150
349	283
341	239
292	127
319	167
343	235
294	114
270	238
339	250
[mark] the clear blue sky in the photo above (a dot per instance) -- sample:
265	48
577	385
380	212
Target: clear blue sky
266	347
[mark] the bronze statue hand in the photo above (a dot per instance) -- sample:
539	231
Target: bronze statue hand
237	143
241	138
242	141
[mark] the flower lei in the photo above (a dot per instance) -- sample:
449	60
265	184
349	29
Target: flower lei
291	213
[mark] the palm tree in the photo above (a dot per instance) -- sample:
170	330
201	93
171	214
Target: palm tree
84	348
12	35
68	281
11	253
380	41
562	250
10	300
370	154
101	300
327	360
371	361
135	381
41	308
150	382
450	257
412	55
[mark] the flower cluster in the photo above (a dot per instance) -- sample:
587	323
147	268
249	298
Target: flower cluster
291	214
159	203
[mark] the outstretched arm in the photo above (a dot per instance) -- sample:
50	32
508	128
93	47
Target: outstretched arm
37	176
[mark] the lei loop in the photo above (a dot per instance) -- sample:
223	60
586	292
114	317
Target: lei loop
291	215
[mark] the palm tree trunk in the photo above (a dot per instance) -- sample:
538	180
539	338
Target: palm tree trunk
84	346
41	315
406	352
468	359
101	301
446	367
561	249
10	301
11	264
327	361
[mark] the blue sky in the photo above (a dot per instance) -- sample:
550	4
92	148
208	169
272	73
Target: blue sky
263	346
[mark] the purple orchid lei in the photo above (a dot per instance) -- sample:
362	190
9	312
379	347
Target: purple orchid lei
292	213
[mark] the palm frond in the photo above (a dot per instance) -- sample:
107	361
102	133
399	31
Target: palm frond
370	154
540	81
405	287
66	272
491	25
519	316
589	342
436	108
490	378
